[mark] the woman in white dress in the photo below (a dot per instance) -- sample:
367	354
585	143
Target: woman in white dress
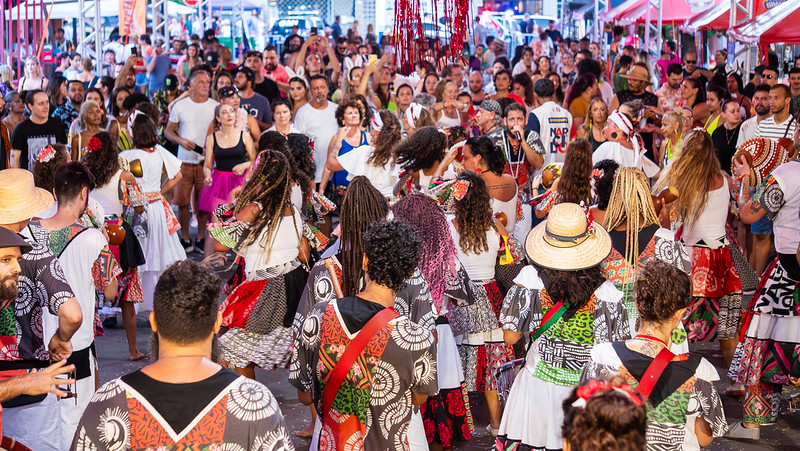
376	162
159	234
565	317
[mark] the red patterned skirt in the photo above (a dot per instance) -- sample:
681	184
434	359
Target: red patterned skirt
716	296
447	417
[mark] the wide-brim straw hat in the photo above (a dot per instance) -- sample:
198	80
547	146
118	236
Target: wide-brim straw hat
20	199
563	241
637	73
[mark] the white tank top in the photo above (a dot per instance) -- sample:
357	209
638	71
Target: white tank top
108	196
478	266
787	222
284	244
447	121
509	208
710	225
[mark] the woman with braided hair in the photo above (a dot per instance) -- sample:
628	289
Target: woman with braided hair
636	238
267	231
446	416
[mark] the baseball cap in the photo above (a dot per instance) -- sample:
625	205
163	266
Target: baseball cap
227	91
248	73
492	105
211	58
171	82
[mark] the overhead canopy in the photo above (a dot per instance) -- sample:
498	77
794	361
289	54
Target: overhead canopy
672	11
68	9
718	17
609	15
780	24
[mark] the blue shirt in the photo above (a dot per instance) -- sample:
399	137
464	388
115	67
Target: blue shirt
160	72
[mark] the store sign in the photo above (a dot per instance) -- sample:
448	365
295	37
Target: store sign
769	4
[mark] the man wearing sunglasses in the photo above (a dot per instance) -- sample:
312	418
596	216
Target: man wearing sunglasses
770	76
692	70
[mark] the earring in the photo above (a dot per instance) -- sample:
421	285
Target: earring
678	335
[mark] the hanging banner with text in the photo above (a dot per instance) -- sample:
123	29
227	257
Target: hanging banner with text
132	17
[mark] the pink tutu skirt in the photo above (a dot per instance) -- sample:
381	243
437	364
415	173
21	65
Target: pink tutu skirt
222	183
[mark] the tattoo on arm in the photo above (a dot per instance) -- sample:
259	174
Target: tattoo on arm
755	207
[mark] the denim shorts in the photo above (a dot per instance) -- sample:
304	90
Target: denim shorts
761	227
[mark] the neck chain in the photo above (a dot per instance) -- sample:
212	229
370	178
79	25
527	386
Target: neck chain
513	165
728	137
650	338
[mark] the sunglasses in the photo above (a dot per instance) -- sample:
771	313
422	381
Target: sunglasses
770	77
690	62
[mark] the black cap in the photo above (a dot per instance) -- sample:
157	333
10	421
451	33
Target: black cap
227	91
248	73
171	82
212	58
11	239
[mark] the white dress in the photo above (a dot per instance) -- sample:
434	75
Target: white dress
356	163
161	248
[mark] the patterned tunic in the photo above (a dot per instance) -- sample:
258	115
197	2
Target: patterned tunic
244	415
399	359
684	393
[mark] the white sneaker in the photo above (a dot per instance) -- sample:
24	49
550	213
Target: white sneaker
737	430
492	430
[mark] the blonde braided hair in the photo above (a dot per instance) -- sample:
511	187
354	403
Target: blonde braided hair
630	202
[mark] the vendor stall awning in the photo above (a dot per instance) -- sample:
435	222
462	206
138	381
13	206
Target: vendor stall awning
673	11
780	24
69	9
718	17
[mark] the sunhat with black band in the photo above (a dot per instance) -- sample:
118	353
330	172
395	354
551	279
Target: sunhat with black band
637	73
11	239
20	199
567	240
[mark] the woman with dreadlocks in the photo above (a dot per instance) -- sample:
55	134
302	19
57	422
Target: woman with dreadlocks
377	161
419	157
447	416
703	207
636	238
477	238
268	232
363	206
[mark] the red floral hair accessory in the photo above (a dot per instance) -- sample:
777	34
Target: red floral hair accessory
94	144
589	218
46	154
585	392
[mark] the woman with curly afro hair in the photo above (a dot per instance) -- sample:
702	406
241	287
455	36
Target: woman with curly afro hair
477	238
374	405
116	190
351	135
419	157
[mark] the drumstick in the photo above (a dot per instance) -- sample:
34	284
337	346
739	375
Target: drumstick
331	267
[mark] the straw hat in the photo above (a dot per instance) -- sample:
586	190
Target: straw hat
563	242
20	199
637	73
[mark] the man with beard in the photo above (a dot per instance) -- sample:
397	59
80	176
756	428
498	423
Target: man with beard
261	84
71	108
33	420
127	75
476	87
669	94
761	107
275	71
317	119
254	103
638	79
89	267
291	47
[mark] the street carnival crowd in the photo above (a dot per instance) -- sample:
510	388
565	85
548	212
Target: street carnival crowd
554	230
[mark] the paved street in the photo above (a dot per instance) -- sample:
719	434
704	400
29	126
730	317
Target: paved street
113	356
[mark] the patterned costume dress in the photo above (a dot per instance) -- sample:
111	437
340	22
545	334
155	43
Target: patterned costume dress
684	393
716	287
771	330
259	312
533	415
399	359
243	415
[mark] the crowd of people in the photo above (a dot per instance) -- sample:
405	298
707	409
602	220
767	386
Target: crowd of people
553	230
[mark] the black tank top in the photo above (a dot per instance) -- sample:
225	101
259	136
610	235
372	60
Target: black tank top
226	159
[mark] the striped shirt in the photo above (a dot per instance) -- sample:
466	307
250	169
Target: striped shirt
768	128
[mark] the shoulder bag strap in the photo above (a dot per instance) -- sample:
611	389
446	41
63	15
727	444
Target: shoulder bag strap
788	126
70	242
653	372
350	355
549	319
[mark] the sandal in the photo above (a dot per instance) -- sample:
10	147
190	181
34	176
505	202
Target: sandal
217	260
